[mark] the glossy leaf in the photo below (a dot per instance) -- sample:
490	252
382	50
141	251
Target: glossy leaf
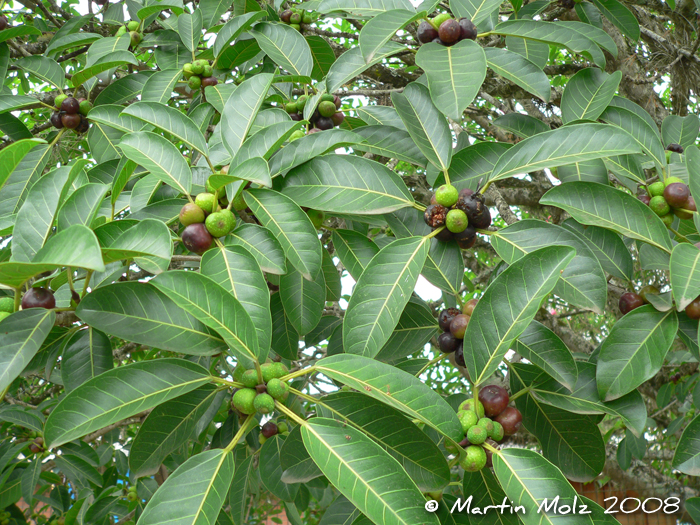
303	299
389	142
621	212
365	474
382	27
687	455
43	68
351	64
543	348
309	147
395	388
680	130
518	292
354	250
285	46
520	70
261	244
685	274
120	393
87	354
82	206
588	93
139	312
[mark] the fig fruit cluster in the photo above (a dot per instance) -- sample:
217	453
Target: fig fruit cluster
38	298
453	322
199	74
205	220
71	113
256	396
460	212
131	27
270	429
294	17
488	421
326	116
445	30
670	198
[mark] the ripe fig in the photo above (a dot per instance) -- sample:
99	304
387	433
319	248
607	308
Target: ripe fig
314	130
629	301
338	118
676	148
435	215
83	126
38	298
286	15
693	309
468	28
324	123
495	400
196	238
209	81
337	101
510	419
450	31
56	121
445	235
482	220
676	194
645	199
70	120
3	22
445	318
447	342
70	105
296	116
459	325
269	429
459	356
466	239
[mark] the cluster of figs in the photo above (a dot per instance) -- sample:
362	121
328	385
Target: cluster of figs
458	213
445	30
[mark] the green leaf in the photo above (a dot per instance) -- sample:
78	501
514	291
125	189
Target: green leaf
528	479
620	16
322	54
644	133
241	108
395	388
23	334
521	125
110	115
680	130
271	470
634	351
571	441
169	426
495	325
36	216
543	348
621	212
607	246
484	488
687	455
148	243
309	147
285	46
347	184
354	250
391	142
204	479
76	246
160	157
11	103
454	74
234	28
120	393
216	308
124	88
237	271
416	327
159	86
473	165
295	462
43	68
290	226
171	121
425	124
189	27
351	64
685	274
12	155
582	283
363	8
475	10
381	295
565	145
255	170
365	474
238	494
82	206
261	244
381	115
266	142
87	354
518	69
139	312
60	43
285	339
418	454
588	93
303	299
381	28
115	59
150	10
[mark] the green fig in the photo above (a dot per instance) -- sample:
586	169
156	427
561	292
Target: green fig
468	419
439	19
477	435
238	373
327	109
121	31
59	100
133	25
474	460
85	107
244	399
250	378
264	404
7	304
206	201
277	389
191	214
194	82
282	427
197	67
220	223
497	433
317	217
469	405
656	188
486	424
4	314
447	195
301	102
136	38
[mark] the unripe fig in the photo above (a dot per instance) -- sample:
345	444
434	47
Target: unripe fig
659	206
133	25
59	100
220	223
136	38
264	404
326	108
279	390
446	195
194	82
467	419
243	400
85	107
456	221
206	201
656	188
474	459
